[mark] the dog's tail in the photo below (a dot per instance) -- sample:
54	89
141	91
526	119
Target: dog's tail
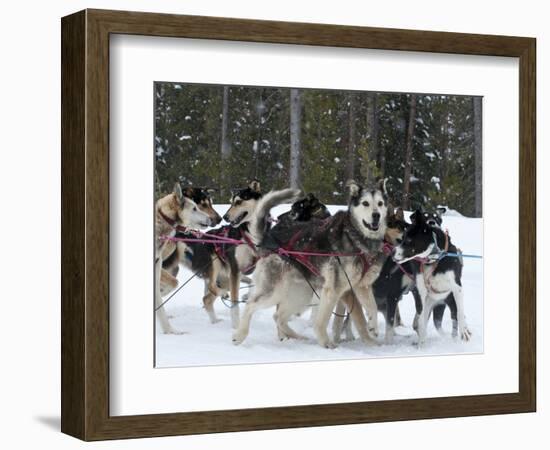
258	224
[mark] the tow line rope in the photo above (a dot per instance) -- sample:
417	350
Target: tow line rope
184	284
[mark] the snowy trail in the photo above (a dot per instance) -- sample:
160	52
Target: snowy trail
206	344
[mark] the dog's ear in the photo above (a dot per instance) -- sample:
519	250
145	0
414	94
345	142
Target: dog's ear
417	217
382	182
354	188
311	198
399	214
178	193
255	186
441	210
189	192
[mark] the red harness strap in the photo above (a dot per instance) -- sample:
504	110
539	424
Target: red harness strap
248	270
301	257
366	263
174	223
247	239
220	248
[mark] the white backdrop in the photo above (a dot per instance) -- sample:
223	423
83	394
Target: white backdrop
138	388
29	175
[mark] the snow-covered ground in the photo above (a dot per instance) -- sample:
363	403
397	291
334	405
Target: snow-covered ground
206	344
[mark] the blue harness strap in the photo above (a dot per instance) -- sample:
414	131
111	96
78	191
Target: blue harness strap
459	255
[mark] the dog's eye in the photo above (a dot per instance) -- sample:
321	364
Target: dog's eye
380	203
399	240
194	208
365	203
238	202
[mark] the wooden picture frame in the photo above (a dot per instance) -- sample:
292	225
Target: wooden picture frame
85	224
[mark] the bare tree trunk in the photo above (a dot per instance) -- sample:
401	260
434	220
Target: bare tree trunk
478	156
225	147
352	145
408	152
372	143
295	137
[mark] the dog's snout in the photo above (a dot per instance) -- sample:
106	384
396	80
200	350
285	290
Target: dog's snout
226	217
375	216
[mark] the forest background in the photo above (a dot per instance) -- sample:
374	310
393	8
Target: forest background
428	146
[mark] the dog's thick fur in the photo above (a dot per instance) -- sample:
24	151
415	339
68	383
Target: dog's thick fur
390	285
285	282
217	264
435	219
304	209
435	279
171	211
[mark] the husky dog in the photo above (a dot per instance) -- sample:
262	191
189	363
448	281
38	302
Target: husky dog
211	262
171	212
389	287
304	209
351	239
436	276
203	198
243	205
435	219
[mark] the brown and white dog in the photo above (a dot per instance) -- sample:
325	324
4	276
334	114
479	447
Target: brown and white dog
242	210
220	265
172	212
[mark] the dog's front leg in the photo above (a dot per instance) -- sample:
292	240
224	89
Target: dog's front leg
327	302
463	330
366	298
338	322
326	306
208	303
260	299
160	310
391	314
422	309
357	316
234	286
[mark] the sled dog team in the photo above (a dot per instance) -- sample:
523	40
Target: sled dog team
360	260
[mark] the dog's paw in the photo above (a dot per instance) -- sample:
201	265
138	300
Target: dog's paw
175	332
238	337
466	334
327	343
373	332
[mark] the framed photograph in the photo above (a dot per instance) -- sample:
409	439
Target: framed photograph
272	225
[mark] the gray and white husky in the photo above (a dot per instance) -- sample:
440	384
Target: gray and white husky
351	244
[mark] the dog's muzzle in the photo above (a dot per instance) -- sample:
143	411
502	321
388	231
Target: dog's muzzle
238	220
375	224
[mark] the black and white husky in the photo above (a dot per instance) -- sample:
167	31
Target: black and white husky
435	219
353	241
436	275
304	209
